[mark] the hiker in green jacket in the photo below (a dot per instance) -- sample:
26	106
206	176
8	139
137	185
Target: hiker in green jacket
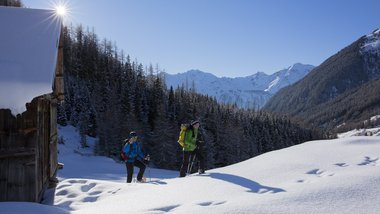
190	149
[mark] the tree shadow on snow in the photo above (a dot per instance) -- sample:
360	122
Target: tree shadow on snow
253	186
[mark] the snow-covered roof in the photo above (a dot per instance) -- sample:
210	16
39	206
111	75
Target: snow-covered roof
29	42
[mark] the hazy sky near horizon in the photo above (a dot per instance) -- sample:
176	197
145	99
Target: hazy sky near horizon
231	38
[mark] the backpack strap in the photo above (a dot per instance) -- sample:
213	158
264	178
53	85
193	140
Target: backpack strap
130	150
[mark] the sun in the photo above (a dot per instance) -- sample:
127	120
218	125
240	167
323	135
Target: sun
61	10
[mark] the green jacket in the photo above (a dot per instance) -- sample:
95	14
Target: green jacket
190	140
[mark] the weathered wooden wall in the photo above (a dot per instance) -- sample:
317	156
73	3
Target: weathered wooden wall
28	151
28	144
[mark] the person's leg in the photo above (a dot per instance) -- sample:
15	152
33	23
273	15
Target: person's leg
185	163
142	167
201	160
129	172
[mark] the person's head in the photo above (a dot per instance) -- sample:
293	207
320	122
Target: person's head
132	136
195	124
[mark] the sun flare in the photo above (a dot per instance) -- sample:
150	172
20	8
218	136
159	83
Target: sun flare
61	10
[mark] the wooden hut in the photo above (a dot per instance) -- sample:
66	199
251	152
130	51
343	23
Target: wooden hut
31	85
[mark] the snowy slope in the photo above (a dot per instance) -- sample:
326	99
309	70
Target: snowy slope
361	132
329	176
248	92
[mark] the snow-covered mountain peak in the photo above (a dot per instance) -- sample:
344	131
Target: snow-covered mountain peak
248	92
298	67
259	73
372	42
257	76
198	72
288	76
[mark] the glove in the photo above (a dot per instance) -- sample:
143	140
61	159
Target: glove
146	159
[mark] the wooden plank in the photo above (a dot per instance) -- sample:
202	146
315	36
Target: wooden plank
53	146
43	162
20	178
39	149
16	153
3	179
53	156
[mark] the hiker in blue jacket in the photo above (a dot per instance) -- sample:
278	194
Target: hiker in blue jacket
134	157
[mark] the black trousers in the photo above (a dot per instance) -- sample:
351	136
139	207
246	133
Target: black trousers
187	157
130	166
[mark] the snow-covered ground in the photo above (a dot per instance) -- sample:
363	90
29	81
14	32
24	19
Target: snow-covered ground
361	132
327	176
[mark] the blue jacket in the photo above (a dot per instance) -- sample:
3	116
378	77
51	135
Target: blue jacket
133	151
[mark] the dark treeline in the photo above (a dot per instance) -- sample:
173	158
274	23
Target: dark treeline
11	3
107	95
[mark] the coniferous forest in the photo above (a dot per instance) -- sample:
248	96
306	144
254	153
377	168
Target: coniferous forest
107	95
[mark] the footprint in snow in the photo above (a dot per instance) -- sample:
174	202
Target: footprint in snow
77	181
211	203
219	203
208	203
72	195
95	193
90	199
62	192
113	192
166	208
369	161
315	172
319	173
87	187
341	164
63	186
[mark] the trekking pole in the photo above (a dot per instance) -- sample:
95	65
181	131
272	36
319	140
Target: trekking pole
192	162
147	166
149	175
188	165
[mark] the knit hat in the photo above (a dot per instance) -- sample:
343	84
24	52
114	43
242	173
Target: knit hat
132	134
194	122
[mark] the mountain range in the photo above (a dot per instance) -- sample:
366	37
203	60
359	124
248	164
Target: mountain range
247	92
342	91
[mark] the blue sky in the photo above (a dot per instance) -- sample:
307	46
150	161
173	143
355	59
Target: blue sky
226	37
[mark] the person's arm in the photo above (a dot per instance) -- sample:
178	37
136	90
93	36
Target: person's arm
140	152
